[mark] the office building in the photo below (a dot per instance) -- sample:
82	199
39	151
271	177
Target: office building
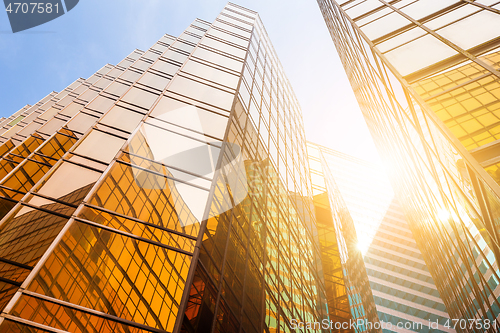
371	226
425	74
168	193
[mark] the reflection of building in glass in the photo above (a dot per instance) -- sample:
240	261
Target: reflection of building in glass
426	76
169	193
372	226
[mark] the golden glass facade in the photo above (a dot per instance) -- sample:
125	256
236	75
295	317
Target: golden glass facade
426	77
168	193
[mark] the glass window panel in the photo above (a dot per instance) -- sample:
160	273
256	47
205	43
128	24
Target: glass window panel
27	234
160	47
166	67
363	8
115	274
400	39
72	109
49	113
103	83
89	95
130	75
176	56
82	122
218	59
140	98
190	116
69	183
122	118
228	37
115	72
50	205
202	92
180	152
63	318
142	65
25	178
188	48
137	228
487	2
151	56
418	54
163	169
182	131
117	88
11	326
232	29
473	30
100	146
244	25
385	25
211	74
52	126
101	104
423	8
189	38
374	16
224	47
56	146
154	81
451	16
151	197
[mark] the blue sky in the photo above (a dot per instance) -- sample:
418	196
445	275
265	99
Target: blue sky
51	56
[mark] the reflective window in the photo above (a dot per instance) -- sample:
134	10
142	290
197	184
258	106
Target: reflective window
121	118
115	274
100	146
211	74
81	122
423	8
223	47
218	59
140	98
154	81
418	54
151	197
63	185
139	229
117	88
473	30
165	67
190	116
202	92
385	25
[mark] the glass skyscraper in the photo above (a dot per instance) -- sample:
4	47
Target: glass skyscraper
168	193
371	226
425	74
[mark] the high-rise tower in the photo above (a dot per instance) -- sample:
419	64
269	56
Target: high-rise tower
372	230
168	193
426	76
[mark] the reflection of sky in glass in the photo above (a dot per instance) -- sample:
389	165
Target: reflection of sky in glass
366	191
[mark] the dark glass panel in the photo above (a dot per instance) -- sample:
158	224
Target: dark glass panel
9	326
7	290
27	234
200	309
